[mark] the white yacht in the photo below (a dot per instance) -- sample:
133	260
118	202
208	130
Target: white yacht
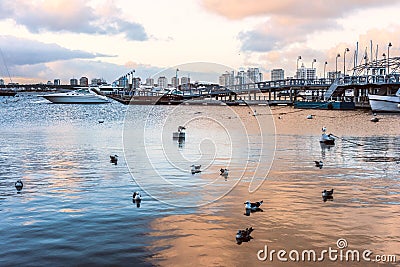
80	96
387	102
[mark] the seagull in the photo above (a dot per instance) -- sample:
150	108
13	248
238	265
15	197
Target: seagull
114	159
195	169
375	119
324	129
310	116
19	185
319	164
101	121
244	235
181	129
327	193
224	172
136	196
253	206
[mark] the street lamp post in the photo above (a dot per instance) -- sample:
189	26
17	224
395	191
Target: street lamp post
326	63
344	61
176	78
336	74
389	45
297	66
312	67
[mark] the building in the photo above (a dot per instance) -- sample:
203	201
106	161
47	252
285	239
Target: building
305	73
1	82
73	82
84	81
240	78
162	82
175	82
277	74
97	81
227	79
57	82
254	75
149	81
136	83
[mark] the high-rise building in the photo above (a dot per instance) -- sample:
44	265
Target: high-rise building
57	82
162	82
175	82
253	75
136	82
277	74
73	82
305	73
1	82
84	81
227	79
149	81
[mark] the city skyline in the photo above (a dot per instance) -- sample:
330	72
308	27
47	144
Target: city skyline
45	39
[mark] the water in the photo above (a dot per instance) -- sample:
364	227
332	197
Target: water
76	207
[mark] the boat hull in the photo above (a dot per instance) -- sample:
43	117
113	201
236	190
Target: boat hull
324	105
380	103
72	98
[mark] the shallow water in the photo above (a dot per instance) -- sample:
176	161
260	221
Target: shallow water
76	207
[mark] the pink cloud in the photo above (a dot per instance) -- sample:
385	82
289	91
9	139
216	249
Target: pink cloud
236	9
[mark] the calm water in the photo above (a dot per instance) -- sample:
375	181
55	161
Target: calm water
76	207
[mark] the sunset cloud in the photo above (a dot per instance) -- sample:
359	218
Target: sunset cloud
237	9
69	16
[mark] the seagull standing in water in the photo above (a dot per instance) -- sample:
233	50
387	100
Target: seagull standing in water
319	164
18	185
253	206
195	169
224	172
114	159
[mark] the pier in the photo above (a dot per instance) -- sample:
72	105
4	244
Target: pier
352	89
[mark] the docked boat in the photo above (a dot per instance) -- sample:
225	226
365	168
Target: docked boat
386	102
80	96
7	93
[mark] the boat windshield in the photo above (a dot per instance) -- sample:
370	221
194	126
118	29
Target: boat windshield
82	91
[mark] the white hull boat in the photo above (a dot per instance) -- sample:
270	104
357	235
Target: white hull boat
80	96
385	103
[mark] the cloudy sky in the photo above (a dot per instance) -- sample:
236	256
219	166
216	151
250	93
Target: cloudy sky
41	40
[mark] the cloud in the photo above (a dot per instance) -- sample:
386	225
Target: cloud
71	16
20	51
287	21
237	9
278	32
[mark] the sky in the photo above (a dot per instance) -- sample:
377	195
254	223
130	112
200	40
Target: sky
42	40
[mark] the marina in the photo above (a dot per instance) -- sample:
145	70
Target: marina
76	207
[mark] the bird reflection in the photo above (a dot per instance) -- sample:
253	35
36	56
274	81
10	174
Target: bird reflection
250	211
181	142
330	198
244	235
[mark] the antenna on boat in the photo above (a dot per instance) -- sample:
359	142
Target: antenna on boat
4	61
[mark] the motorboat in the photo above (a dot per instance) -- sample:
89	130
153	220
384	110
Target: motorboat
79	96
385	101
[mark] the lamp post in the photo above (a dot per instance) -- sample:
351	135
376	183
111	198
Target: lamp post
337	56
176	78
297	66
344	61
326	63
389	45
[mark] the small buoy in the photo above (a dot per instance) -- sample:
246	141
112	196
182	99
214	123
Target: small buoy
19	185
309	116
101	121
375	119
